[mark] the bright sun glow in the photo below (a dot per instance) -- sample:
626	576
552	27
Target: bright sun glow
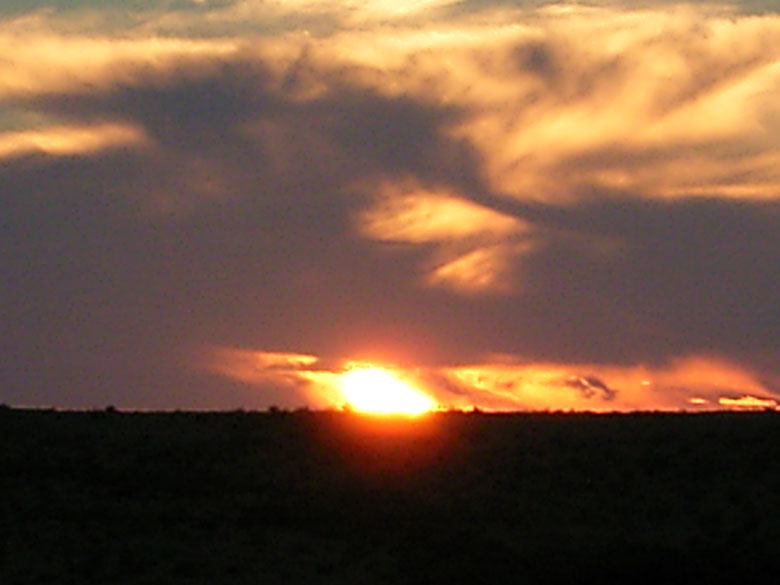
377	391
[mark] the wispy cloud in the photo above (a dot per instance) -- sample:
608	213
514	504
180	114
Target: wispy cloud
592	191
68	140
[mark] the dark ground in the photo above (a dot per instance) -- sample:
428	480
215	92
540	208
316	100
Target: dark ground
304	497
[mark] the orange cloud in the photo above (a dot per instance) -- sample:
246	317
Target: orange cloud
425	216
748	402
46	62
683	384
474	245
540	95
254	366
285	370
67	140
505	384
666	104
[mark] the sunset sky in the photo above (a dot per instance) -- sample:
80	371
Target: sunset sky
510	205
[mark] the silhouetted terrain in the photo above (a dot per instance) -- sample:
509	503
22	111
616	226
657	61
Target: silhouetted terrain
109	497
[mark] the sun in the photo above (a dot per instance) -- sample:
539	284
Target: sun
375	390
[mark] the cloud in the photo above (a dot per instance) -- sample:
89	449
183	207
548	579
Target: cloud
554	6
68	140
748	402
505	384
590	192
590	386
45	62
474	245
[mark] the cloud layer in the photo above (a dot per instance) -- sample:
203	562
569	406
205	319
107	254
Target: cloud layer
550	206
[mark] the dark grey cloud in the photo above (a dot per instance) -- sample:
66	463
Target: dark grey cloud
101	294
591	387
211	108
234	228
690	275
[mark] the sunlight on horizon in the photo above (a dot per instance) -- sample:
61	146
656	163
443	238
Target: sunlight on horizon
373	390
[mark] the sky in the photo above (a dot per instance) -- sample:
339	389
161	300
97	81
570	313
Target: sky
219	204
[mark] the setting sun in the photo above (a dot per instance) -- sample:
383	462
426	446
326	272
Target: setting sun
377	391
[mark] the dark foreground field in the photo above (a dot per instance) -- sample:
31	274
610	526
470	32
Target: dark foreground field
107	497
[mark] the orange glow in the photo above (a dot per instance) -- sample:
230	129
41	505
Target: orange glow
747	402
502	383
377	391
